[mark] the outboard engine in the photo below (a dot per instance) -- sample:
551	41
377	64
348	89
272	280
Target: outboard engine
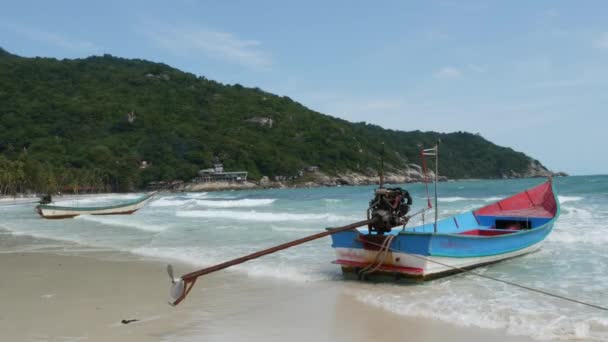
45	199
388	209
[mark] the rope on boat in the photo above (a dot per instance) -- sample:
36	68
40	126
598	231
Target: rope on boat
524	287
380	258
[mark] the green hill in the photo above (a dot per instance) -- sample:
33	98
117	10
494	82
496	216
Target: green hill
91	122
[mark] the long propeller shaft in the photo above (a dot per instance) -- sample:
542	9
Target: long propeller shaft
182	285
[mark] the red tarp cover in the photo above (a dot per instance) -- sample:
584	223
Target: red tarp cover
535	202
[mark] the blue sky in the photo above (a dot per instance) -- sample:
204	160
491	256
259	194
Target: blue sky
531	75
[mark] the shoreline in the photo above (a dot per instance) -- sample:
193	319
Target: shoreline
94	290
228	186
295	294
225	186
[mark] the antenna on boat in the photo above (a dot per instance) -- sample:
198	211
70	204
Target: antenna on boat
436	179
434	152
382	167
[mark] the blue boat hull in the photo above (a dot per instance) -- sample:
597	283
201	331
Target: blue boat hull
496	232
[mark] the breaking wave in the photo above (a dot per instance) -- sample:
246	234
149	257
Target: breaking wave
169	202
201	258
452	199
492	199
577	225
197	195
564	199
261	216
490	307
240	203
458	199
294	229
118	221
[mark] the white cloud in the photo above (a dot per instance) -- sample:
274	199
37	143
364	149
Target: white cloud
57	40
211	43
601	42
448	72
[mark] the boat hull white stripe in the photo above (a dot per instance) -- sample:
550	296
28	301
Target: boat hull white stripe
428	264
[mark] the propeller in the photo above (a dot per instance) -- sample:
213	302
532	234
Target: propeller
177	292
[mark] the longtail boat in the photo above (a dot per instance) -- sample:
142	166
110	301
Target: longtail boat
383	245
58	212
505	229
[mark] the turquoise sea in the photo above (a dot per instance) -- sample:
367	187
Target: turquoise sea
206	228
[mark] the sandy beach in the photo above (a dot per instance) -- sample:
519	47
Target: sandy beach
83	295
51	297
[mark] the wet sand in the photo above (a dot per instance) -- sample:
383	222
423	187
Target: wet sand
57	295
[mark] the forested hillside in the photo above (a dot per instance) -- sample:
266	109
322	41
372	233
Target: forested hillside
91	122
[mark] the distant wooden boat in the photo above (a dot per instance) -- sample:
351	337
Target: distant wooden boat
125	208
508	228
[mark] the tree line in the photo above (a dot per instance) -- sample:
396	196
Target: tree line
91	124
25	175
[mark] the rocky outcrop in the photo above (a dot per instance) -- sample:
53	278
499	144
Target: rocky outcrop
163	76
535	169
412	173
265	181
261	121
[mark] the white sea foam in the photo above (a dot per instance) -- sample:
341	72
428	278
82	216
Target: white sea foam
564	199
197	194
242	203
492	199
577	225
232	227
206	195
261	216
458	199
294	229
452	199
123	221
187	254
489	306
282	271
7	201
573	214
170	202
204	257
50	235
